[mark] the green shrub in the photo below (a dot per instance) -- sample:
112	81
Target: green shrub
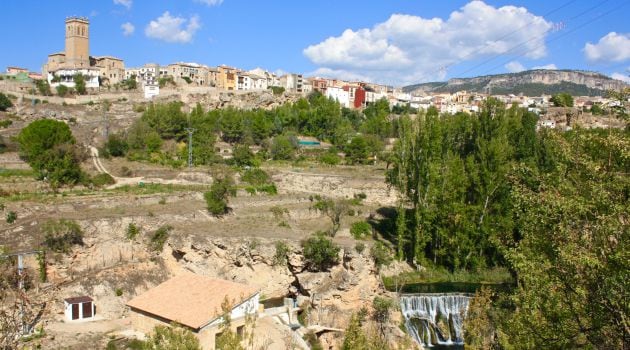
255	176
359	247
5	123
132	231
103	179
320	252
218	196
11	217
162	201
329	158
282	254
5	103
360	229
61	235
118	292
116	145
381	254
159	237
278	212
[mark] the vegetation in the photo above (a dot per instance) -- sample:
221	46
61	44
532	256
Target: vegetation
281	256
159	237
63	90
173	337
11	217
60	235
5	103
132	231
562	100
218	196
43	87
360	229
259	181
320	253
79	83
381	254
334	209
103	179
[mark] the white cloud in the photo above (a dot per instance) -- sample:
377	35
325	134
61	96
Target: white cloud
128	28
549	66
173	29
211	2
613	47
125	3
622	76
514	67
406	49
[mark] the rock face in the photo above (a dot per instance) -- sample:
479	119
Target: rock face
589	80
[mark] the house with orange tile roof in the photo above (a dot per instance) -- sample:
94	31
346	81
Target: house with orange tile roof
195	302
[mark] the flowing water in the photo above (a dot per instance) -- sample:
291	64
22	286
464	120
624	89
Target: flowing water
435	319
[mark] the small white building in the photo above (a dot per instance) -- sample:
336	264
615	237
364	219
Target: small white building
340	95
150	90
79	308
65	76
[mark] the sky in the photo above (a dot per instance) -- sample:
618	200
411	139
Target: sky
396	42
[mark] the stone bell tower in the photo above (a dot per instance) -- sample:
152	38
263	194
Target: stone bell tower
77	42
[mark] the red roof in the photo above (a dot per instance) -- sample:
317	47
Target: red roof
78	300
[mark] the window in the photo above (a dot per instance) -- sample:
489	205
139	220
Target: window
240	331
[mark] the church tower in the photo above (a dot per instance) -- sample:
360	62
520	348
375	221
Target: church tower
77	42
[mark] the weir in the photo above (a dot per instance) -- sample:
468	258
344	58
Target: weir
435	319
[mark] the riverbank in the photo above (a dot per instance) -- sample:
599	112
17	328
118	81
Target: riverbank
444	281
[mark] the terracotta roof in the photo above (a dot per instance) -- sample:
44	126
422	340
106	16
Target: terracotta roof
78	300
191	300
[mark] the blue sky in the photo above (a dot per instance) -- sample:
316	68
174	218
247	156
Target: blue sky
395	41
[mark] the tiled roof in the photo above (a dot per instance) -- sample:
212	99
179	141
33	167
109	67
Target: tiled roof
78	300
191	300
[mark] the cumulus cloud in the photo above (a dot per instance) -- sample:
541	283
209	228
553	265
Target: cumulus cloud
128	28
407	48
625	77
125	3
211	2
550	66
514	67
613	47
173	29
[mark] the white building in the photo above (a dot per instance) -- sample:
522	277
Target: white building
150	90
79	308
65	76
340	95
292	82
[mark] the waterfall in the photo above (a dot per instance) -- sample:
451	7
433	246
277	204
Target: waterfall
433	319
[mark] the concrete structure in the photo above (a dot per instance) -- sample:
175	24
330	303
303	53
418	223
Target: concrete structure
79	308
77	42
195	302
292	82
150	90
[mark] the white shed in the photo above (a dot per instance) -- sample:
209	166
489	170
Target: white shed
79	308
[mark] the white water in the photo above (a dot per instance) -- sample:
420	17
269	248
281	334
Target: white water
422	313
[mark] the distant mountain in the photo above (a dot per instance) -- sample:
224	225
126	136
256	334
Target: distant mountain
529	83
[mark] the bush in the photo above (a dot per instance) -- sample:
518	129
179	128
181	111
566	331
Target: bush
282	254
256	177
62	90
242	156
380	254
359	247
132	231
277	90
218	196
61	235
103	179
11	217
329	158
360	229
282	148
116	145
320	252
5	103
159	237
118	292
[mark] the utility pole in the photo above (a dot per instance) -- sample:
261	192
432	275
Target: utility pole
20	271
190	153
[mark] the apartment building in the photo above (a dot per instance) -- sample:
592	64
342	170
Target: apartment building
292	82
188	73
227	77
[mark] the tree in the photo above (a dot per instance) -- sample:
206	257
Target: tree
49	148
218	196
562	100
354	336
479	328
320	252
171	338
5	103
282	148
62	90
43	87
243	156
334	209
227	340
116	145
357	150
79	83
381	314
60	235
130	84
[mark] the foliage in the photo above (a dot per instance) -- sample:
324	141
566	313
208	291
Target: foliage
242	156
48	146
60	235
171	338
116	145
381	311
357	151
159	237
11	217
259	180
227	340
118	292
5	103
359	247
132	231
277	90
360	229
63	90
41	266
354	336
335	209
218	196
320	253
329	158
281	255
312	341
381	254
79	83
562	100
479	328
43	87
103	179
129	84
282	148
167	80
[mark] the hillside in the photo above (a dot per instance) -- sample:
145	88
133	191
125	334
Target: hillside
529	83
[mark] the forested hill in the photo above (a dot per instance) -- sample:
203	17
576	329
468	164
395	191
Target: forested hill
529	83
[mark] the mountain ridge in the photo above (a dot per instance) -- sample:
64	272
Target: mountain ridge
533	82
